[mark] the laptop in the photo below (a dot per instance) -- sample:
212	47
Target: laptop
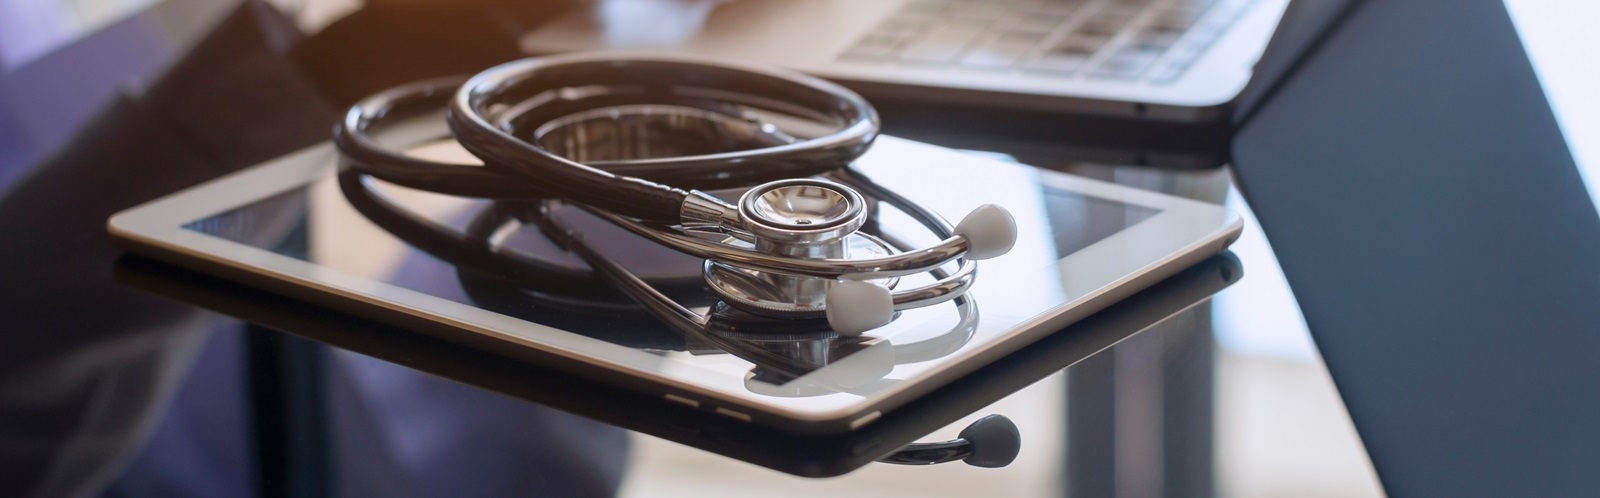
1170	61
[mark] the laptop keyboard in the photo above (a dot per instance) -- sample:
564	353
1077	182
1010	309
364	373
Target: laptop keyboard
1149	40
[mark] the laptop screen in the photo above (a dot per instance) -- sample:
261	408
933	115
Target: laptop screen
1303	24
1414	184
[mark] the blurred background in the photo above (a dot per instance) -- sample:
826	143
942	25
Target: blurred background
1277	425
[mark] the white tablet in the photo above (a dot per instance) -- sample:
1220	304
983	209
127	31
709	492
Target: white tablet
1083	244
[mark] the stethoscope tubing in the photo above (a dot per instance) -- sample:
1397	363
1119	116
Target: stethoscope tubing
906	263
364	152
477	118
471	250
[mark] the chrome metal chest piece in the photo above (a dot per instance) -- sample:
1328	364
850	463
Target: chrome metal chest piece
800	218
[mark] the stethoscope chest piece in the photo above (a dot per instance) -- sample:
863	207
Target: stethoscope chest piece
788	296
803	218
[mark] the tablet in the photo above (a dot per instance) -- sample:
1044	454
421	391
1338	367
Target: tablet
288	227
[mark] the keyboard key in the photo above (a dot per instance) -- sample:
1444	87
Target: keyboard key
1186	52
970	23
925	7
1124	7
958	7
1039	23
995	54
901	25
1133	51
1058	8
1166	73
940	45
1103	24
1177	19
1207	31
1153	40
986	11
1080	44
1002	34
869	52
1227	11
1125	63
876	39
1028	37
1057	63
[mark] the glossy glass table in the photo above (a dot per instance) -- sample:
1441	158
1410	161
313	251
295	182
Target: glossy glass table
109	389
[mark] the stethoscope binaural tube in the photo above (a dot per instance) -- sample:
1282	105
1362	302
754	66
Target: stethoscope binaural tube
482	117
356	135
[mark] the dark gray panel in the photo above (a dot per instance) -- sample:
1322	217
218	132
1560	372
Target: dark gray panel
1432	223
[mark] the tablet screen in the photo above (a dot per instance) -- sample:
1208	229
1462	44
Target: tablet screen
1065	253
316	225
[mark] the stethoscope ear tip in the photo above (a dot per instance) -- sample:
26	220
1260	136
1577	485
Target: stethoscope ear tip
855	306
995	442
990	231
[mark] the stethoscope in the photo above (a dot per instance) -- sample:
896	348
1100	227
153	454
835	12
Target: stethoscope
598	131
601	130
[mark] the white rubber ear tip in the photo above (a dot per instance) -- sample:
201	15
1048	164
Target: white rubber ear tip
854	307
990	231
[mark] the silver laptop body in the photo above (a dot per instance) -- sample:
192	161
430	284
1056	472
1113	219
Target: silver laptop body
1168	60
